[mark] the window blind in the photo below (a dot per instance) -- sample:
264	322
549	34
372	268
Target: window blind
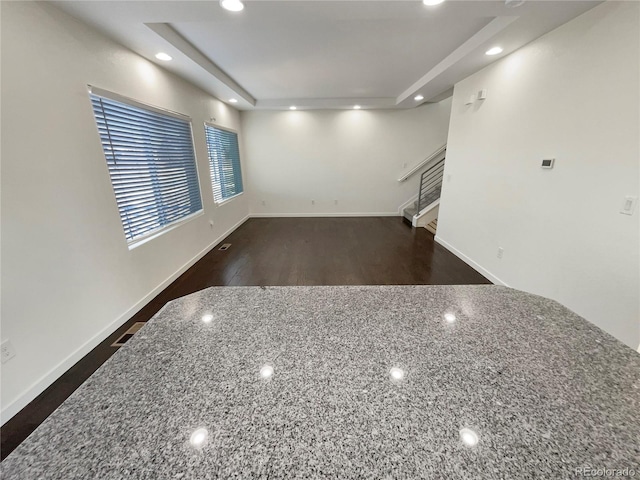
151	164
224	162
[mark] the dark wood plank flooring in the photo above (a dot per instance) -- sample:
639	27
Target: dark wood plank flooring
278	251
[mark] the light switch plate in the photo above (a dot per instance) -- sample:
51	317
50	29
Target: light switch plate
629	205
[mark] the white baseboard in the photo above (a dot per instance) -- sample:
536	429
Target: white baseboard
46	380
470	262
332	214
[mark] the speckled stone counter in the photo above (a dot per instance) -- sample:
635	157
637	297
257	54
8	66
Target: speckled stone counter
360	382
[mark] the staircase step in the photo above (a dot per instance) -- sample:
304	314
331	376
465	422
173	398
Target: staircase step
410	212
433	226
427	200
432	197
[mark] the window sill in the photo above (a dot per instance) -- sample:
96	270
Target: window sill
227	200
140	241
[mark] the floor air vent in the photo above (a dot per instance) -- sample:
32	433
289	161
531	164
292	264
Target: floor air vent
128	334
225	246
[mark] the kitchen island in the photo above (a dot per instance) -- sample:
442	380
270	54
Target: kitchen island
411	382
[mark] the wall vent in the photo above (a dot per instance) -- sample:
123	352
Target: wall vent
225	246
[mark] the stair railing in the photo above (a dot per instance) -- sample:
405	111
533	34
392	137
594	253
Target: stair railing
430	185
434	155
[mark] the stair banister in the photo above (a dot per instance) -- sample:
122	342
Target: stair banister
430	184
439	151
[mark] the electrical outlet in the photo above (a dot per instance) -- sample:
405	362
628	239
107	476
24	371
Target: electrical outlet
449	177
7	351
313	202
500	252
404	165
263	202
335	202
211	223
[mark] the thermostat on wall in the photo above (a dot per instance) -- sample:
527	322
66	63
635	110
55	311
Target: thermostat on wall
548	162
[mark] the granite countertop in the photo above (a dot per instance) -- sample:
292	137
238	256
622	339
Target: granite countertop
349	382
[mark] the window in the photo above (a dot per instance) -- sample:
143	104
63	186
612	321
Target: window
224	162
151	163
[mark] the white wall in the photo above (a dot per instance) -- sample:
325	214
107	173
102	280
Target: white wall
68	278
354	157
573	95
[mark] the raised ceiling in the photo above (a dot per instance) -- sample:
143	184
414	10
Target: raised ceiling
324	54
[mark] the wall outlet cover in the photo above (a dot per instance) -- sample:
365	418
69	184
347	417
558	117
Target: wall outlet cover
8	352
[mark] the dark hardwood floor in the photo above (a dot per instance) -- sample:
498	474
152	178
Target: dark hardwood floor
278	251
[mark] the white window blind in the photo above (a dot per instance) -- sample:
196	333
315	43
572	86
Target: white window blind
151	164
224	162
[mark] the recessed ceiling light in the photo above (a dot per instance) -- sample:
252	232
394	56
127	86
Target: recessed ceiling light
233	100
450	317
266	371
163	56
232	5
207	318
396	373
293	107
357	107
431	3
417	98
198	437
468	437
494	51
